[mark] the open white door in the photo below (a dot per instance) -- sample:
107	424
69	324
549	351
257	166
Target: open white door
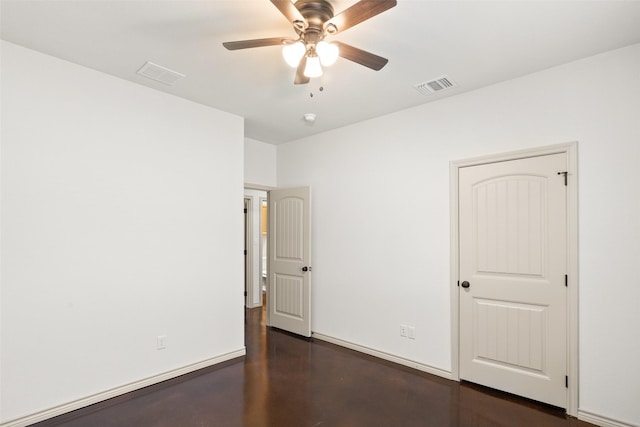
513	262
289	293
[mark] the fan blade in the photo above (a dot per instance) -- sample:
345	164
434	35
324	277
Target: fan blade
246	44
362	57
357	13
290	12
301	79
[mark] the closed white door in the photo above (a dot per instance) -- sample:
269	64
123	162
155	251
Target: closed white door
289	293
513	258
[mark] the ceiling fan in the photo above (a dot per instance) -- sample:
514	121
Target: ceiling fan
313	21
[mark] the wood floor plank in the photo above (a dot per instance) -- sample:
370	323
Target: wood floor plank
286	381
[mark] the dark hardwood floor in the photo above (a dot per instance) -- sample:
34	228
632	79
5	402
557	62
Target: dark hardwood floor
286	381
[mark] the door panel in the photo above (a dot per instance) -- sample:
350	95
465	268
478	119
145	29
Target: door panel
510	334
289	220
513	253
289	295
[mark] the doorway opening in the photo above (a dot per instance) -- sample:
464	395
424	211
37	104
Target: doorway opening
279	254
264	244
256	244
248	231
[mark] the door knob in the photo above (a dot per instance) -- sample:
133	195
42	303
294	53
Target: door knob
465	284
305	268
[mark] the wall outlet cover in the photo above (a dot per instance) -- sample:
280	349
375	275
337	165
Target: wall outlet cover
403	330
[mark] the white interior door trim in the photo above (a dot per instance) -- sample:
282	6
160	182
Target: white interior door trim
249	186
248	258
571	150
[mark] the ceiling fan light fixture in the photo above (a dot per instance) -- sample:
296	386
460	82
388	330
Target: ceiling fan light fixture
313	67
313	20
328	53
293	53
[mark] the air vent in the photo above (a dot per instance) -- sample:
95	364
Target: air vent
436	85
159	73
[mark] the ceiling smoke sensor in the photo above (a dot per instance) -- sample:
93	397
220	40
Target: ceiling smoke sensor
159	73
435	85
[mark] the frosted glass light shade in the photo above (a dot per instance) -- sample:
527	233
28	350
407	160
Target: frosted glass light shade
313	68
293	53
328	53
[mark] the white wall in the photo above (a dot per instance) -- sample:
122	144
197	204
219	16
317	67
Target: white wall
380	208
120	222
259	163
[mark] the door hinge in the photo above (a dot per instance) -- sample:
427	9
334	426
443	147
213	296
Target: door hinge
566	381
245	210
566	280
245	252
565	177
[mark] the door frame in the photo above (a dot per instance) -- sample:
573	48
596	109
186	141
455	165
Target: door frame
571	151
264	253
248	248
266	189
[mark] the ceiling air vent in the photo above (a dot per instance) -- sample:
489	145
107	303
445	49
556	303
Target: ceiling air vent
435	85
159	73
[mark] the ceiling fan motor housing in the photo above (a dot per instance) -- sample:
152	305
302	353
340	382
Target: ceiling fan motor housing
316	13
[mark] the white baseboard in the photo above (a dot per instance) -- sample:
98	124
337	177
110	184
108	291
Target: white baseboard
114	392
601	421
385	356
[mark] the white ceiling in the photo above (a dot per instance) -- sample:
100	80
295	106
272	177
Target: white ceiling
474	43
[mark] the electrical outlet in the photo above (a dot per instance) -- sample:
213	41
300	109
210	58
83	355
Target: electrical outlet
411	332
161	342
403	330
